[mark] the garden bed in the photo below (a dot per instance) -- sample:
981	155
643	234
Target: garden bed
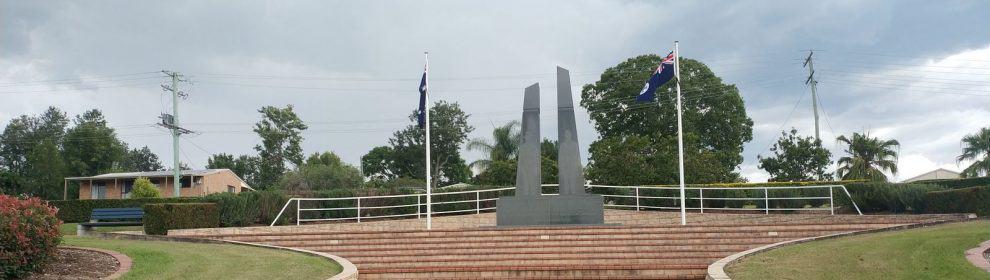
77	263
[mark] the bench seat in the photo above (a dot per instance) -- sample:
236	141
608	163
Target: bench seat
112	224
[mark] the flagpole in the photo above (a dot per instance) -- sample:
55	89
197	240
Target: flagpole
680	133
429	186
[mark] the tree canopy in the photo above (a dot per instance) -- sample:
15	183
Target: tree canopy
405	154
976	147
714	119
280	130
797	159
867	157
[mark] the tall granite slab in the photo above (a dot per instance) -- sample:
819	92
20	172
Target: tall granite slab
529	207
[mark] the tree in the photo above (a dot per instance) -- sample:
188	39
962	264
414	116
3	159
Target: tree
713	114
404	157
30	154
244	166
797	159
91	147
639	160
976	148
377	164
143	188
141	160
322	171
867	158
280	131
548	164
503	146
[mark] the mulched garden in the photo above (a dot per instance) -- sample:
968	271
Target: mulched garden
77	264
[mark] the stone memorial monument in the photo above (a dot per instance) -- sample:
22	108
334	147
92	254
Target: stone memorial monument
529	206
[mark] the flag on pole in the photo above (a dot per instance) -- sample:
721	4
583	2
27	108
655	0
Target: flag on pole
422	100
663	74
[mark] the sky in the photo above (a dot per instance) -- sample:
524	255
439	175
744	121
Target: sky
914	71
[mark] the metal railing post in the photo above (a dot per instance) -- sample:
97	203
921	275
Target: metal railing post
297	211
281	211
477	202
358	209
766	199
831	202
701	199
419	207
637	198
851	199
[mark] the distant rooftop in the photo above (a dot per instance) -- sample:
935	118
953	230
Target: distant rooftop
169	173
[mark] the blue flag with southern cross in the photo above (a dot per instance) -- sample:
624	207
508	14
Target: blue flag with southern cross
663	74
422	100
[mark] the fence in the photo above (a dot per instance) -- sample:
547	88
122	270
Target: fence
786	198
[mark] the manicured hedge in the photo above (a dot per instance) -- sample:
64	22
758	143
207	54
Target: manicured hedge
77	211
874	197
235	210
161	217
959	183
965	200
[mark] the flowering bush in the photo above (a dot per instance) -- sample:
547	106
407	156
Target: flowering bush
29	235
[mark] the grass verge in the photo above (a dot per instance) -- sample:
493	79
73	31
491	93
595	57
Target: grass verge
180	260
923	253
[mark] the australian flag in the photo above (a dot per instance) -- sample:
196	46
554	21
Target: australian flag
664	73
422	100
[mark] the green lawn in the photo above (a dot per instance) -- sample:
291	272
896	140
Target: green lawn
181	260
923	253
70	229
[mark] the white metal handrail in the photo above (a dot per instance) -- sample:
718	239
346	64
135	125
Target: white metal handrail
636	195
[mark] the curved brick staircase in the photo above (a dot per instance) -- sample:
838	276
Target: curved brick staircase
640	248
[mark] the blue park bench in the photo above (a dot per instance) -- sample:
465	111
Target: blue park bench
111	217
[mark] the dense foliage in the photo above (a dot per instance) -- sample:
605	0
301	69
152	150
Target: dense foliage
143	188
280	131
159	218
235	210
321	171
715	125
404	156
38	152
797	159
29	235
976	147
965	200
503	146
867	157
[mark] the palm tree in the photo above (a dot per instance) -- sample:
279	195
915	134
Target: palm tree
868	157
977	148
503	147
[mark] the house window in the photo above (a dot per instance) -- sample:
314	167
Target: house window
185	181
230	189
99	190
128	186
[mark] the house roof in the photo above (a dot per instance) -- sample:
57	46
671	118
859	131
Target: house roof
199	172
919	176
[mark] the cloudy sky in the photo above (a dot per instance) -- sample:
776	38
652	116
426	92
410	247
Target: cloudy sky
915	71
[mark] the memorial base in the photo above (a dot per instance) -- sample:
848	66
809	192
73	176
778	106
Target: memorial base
585	209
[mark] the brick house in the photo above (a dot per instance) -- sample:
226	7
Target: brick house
193	183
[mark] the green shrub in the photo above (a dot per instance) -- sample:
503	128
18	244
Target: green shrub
965	200
958	183
77	211
143	188
268	204
29	235
235	210
161	217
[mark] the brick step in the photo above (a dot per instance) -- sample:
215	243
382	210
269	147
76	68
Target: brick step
480	249
429	262
552	231
536	243
522	235
374	244
537	253
588	254
541	271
